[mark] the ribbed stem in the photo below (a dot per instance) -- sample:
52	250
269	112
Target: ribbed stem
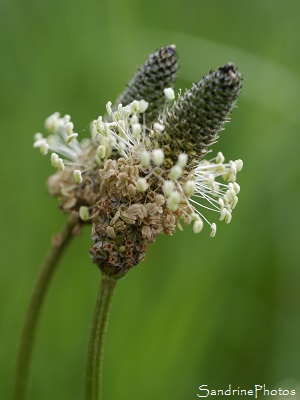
97	336
59	244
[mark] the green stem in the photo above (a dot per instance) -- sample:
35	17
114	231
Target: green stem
97	335
59	243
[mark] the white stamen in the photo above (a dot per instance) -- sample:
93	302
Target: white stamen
143	106
158	156
176	172
220	158
168	187
158	127
239	165
182	160
135	106
189	188
169	93
69	128
101	152
84	213
71	137
136	130
173	201
77	176
60	165
38	136
54	160
108	108
198	226
145	158
141	185
213	230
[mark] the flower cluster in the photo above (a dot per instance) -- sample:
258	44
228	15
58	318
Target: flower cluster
136	177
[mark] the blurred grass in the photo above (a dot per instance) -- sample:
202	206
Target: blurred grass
199	310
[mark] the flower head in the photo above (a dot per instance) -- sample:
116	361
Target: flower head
138	177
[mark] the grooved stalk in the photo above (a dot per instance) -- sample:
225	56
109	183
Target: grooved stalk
59	243
97	336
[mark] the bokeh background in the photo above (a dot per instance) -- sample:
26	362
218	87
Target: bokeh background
199	310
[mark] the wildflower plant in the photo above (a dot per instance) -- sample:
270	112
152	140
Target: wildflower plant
145	170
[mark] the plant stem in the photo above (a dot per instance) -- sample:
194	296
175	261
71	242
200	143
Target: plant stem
97	335
59	244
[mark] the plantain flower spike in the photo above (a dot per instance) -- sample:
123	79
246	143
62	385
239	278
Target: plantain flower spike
142	172
197	117
156	74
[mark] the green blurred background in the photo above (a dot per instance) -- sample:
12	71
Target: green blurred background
199	310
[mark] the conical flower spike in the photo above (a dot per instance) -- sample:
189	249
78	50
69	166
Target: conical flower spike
157	73
197	117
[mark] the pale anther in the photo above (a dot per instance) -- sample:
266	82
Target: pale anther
158	127
158	156
145	158
77	176
176	172
182	160
220	158
69	128
84	213
189	188
100	152
213	230
60	165
141	185
198	226
169	93
168	187
108	108
54	159
143	106
72	136
173	201
239	164
136	130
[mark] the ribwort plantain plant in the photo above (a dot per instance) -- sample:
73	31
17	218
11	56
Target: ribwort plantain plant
143	172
